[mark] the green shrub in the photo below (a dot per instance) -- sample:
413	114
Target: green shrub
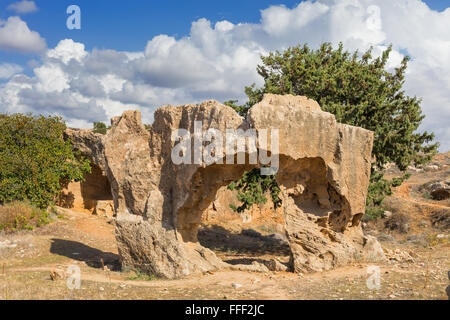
35	161
20	215
100	127
141	275
251	189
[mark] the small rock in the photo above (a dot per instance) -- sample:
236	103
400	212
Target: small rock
275	265
439	190
385	237
431	167
236	285
104	208
424	224
387	214
8	244
101	289
57	274
414	169
372	250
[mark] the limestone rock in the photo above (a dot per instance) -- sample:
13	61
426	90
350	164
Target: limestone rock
275	265
439	190
323	174
254	267
372	250
57	274
398	255
104	208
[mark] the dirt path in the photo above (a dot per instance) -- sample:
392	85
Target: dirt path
88	242
403	191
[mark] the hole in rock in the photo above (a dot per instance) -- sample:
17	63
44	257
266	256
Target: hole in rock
258	234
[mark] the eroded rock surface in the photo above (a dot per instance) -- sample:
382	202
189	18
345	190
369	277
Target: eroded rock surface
323	173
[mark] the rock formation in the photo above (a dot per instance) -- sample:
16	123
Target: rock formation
324	170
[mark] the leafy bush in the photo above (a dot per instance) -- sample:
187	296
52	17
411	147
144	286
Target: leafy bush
35	161
100	127
378	189
140	275
19	215
359	91
252	188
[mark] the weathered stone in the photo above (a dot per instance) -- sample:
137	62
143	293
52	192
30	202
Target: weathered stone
398	255
275	265
387	214
254	267
440	190
324	170
57	274
104	208
372	250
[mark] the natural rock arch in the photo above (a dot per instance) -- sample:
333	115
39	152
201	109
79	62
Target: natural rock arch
323	174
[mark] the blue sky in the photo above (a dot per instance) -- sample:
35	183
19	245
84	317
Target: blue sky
143	54
108	24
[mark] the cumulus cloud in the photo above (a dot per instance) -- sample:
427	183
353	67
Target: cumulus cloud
7	70
217	60
16	36
23	7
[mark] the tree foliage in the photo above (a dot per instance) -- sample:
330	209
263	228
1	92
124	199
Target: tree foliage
251	189
35	161
360	91
100	127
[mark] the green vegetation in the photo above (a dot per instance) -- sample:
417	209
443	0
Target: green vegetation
251	189
100	127
35	161
359	91
378	189
19	215
140	275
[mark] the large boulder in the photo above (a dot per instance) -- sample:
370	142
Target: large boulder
323	174
438	189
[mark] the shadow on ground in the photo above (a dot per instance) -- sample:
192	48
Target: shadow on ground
247	242
93	257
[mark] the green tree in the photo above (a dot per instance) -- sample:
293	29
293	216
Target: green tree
100	127
251	189
359	90
35	161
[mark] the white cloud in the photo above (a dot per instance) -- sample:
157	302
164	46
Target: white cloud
23	7
7	70
16	36
218	60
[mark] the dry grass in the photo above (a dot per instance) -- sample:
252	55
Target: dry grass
21	215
